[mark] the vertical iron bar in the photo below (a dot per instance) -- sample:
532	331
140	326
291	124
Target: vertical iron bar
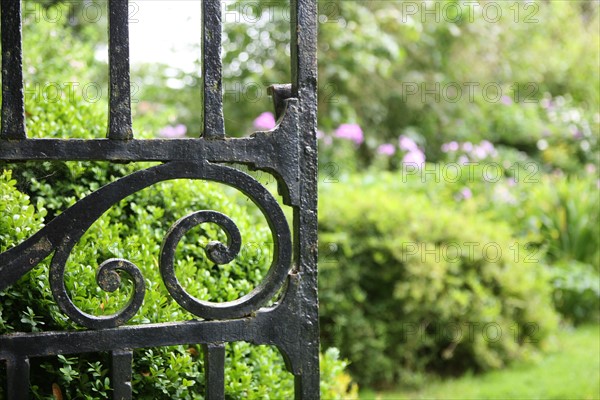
17	376
304	86
122	361
212	70
13	108
119	124
214	370
303	15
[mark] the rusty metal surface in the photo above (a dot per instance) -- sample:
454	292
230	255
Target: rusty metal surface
289	152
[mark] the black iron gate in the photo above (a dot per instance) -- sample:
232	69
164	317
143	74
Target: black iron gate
288	152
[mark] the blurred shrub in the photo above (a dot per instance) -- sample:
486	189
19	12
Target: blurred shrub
554	216
558	217
576	291
414	283
566	211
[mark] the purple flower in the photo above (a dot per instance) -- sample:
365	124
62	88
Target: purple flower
507	101
466	193
265	121
407	144
351	132
320	134
467	146
450	147
171	132
480	152
414	157
386	149
486	144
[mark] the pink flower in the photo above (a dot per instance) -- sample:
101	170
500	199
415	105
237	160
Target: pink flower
414	157
450	147
467	146
480	152
265	121
351	132
466	193
386	149
407	144
507	101
171	132
489	147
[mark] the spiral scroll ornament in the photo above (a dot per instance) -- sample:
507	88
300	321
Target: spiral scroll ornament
64	231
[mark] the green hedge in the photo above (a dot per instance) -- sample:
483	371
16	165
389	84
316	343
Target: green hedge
557	215
416	280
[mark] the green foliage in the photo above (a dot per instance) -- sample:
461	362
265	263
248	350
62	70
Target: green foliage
576	291
566	212
334	379
402	270
558	215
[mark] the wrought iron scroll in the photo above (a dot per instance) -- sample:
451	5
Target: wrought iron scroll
288	152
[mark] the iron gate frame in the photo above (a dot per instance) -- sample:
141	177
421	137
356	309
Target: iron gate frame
289	152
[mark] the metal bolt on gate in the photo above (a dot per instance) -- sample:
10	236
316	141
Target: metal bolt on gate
289	152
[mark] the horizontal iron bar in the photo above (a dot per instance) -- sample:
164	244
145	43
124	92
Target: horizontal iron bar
229	150
258	329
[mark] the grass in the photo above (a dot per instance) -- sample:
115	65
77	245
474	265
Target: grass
571	372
